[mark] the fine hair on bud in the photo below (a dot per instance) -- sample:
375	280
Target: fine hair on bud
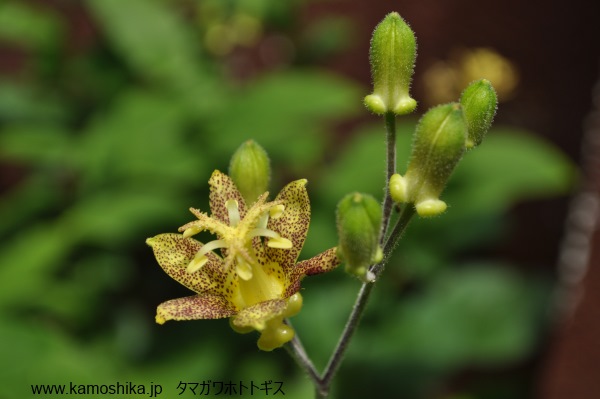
358	222
250	170
479	102
392	56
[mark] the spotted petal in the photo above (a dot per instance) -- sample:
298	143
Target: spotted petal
256	316
194	308
324	262
292	224
222	188
174	253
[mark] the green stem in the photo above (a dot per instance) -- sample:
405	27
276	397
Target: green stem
323	383
362	299
408	211
351	324
390	128
297	351
320	394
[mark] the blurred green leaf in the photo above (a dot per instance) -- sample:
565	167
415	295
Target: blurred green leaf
284	112
360	164
140	140
159	46
29	262
22	102
35	144
31	199
46	356
511	165
480	314
327	37
113	218
30	26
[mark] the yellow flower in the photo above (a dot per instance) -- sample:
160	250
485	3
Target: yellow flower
256	280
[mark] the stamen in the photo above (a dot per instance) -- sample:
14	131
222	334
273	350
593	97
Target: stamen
243	269
233	211
276	241
263	232
190	231
279	242
200	259
196	264
262	222
277	211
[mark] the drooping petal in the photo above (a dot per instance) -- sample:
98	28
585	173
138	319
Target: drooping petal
256	316
324	262
194	308
174	253
222	189
292	224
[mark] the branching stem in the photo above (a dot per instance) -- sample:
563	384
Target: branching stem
323	382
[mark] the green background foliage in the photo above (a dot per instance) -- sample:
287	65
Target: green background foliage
111	144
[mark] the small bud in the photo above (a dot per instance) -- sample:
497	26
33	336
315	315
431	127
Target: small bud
479	102
438	145
358	223
392	55
250	170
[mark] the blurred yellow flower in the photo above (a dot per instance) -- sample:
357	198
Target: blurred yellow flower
445	80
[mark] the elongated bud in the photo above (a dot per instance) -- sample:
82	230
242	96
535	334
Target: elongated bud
250	170
392	55
479	103
358	222
438	145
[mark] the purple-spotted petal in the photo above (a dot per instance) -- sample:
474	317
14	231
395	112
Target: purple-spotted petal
174	253
324	262
292	224
194	308
257	315
222	188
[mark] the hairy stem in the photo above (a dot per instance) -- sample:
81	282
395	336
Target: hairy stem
362	299
390	128
297	351
323	383
351	324
406	215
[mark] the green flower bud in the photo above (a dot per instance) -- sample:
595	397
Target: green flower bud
392	55
358	223
479	103
438	145
250	170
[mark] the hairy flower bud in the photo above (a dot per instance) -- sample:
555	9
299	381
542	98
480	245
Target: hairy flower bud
250	170
392	55
438	145
358	223
479	103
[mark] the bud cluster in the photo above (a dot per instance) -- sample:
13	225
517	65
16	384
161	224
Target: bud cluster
440	140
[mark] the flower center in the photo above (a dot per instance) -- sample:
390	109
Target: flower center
263	286
237	236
